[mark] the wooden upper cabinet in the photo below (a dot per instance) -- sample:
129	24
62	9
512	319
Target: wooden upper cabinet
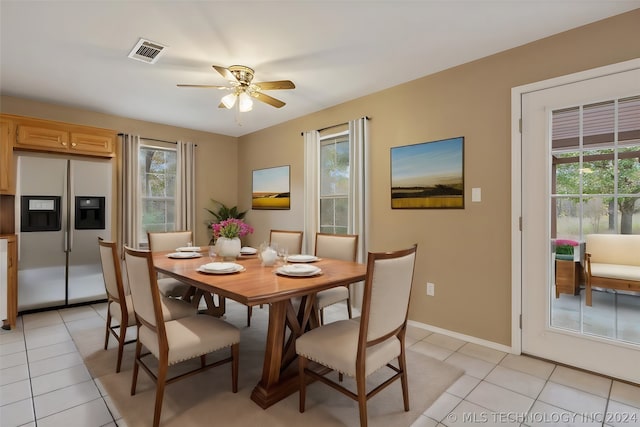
92	143
7	179
42	137
57	137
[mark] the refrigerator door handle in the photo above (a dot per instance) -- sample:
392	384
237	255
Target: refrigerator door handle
71	217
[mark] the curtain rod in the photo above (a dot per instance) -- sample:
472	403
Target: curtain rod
335	126
152	139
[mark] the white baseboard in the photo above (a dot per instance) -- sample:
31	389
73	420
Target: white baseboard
468	338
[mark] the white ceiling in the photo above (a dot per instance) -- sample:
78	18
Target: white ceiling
74	53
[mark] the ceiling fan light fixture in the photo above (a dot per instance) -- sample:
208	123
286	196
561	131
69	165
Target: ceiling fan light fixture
245	103
243	90
229	100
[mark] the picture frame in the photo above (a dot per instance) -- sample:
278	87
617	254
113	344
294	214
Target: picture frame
271	188
429	175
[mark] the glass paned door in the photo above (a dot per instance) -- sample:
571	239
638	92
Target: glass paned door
580	178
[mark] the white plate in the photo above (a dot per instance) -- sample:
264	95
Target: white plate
302	258
220	268
188	249
184	255
247	250
298	270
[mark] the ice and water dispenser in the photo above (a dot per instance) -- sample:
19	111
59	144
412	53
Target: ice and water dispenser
40	213
90	213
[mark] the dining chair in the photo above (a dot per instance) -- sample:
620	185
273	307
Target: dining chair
170	241
359	347
120	314
336	246
173	341
288	239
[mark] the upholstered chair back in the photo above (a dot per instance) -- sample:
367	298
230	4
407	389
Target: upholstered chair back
111	270
143	291
337	246
613	248
169	241
388	286
292	240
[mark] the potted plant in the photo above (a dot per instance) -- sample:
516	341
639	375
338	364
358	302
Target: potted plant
222	213
227	234
564	249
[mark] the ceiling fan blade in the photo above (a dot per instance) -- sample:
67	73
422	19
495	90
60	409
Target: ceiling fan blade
225	73
268	99
278	84
204	86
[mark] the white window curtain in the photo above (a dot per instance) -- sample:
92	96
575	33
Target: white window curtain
129	216
358	197
359	178
311	189
186	188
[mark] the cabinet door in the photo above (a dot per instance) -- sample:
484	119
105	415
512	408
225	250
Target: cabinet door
7	181
92	143
40	137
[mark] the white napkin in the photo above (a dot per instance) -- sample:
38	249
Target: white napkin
221	267
299	269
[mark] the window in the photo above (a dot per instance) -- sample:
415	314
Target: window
157	174
596	168
334	184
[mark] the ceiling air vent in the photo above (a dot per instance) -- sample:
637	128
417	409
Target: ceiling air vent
147	51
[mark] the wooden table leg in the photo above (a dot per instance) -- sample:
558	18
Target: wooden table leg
266	393
212	308
279	372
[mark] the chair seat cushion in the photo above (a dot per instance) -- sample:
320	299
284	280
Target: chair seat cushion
171	287
331	296
616	271
191	337
335	346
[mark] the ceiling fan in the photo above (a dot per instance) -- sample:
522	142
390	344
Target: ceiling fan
242	89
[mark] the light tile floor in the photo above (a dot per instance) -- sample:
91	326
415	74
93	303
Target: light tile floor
44	382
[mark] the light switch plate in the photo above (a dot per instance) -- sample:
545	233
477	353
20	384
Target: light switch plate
476	194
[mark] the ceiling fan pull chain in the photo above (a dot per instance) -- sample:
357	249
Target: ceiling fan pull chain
238	121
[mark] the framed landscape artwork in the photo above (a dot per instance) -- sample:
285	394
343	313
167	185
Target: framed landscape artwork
271	188
429	175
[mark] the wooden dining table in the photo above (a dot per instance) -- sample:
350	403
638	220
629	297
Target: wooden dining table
257	285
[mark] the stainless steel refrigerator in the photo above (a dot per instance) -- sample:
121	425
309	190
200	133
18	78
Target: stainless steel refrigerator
63	206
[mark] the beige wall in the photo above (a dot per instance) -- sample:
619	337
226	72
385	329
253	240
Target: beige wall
466	253
216	158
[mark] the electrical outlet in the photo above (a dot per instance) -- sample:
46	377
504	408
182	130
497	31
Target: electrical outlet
431	289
